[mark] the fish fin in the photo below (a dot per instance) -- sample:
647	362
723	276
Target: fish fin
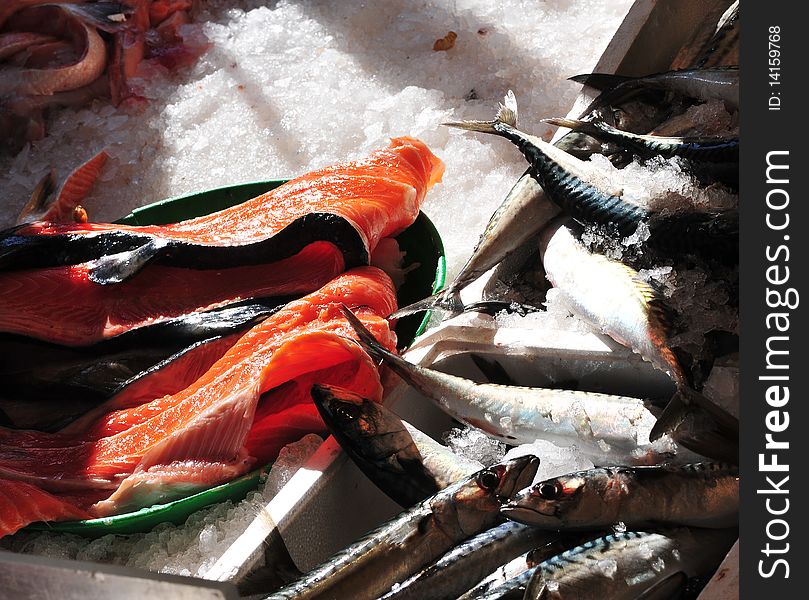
106	16
40	198
665	589
659	309
506	114
600	81
117	268
446	301
366	339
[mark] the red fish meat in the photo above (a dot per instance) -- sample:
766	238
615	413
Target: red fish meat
62	305
353	205
197	437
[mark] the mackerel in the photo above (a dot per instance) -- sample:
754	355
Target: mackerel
403	462
612	298
697	495
463	566
630	565
608	429
593	196
715	83
371	566
700	149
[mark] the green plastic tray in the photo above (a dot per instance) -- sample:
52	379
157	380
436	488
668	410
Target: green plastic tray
423	246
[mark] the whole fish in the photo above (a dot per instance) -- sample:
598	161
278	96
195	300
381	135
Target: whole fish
698	149
407	468
507	572
371	566
711	158
593	196
612	298
697	495
720	83
630	565
463	566
521	215
608	429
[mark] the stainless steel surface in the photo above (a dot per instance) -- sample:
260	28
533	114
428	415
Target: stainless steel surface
23	576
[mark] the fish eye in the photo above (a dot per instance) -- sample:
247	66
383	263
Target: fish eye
549	491
488	479
347	412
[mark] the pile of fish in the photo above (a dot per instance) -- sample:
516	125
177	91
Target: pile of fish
201	339
659	510
67	53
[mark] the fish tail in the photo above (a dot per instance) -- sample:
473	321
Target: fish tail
366	339
600	81
700	425
447	301
574	124
506	115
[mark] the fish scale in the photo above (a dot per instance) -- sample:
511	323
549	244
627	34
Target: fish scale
625	565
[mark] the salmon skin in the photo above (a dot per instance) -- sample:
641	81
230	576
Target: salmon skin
63	305
179	443
351	205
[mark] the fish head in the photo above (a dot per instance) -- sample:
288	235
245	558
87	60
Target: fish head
371	429
546	504
475	502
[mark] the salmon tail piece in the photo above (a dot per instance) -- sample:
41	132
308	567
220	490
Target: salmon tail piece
699	425
506	115
447	301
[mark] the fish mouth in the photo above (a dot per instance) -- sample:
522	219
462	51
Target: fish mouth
322	394
528	516
521	472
